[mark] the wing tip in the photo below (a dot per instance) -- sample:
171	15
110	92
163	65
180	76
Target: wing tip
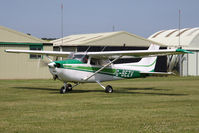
7	50
184	51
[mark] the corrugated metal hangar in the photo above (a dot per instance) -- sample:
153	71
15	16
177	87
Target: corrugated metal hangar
188	39
110	39
21	66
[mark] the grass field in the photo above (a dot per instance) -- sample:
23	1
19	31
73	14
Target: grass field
166	104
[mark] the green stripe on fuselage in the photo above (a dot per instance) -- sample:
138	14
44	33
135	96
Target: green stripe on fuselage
68	61
122	73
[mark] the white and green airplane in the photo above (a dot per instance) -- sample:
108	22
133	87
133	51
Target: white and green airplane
89	67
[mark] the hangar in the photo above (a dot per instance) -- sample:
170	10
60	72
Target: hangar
188	39
21	66
120	39
109	41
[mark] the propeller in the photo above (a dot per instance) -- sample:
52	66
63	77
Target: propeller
42	63
54	65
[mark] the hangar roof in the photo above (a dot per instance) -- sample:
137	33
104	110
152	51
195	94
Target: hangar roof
189	37
9	35
119	38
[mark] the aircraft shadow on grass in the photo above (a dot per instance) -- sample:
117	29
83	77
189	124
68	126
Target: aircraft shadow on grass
129	91
119	91
56	90
36	88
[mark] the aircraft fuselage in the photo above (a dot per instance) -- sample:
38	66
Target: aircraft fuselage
78	72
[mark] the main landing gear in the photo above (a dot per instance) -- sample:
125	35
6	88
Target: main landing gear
67	88
108	88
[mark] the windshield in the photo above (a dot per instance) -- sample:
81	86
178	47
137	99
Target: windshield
81	57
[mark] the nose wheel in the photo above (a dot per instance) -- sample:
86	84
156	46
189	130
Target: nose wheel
66	88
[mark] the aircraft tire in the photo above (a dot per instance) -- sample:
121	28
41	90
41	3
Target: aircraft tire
108	89
69	87
63	90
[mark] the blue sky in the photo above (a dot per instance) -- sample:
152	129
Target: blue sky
42	18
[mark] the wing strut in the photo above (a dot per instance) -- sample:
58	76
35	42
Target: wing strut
102	68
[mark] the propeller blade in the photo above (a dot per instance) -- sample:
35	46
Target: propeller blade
42	63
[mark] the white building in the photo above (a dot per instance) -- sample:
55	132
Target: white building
188	39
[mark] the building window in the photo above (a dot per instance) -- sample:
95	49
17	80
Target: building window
36	47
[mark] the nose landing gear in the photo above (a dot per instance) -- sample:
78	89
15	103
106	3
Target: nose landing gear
66	88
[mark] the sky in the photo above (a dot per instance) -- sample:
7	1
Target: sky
42	18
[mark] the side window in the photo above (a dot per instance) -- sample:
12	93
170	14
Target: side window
36	47
101	62
94	61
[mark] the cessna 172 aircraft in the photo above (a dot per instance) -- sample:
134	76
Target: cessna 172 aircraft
88	67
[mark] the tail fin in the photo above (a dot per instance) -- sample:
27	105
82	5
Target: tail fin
147	64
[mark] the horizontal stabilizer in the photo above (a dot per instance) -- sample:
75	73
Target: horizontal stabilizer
158	73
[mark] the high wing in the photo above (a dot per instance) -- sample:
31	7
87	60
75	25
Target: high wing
38	52
137	53
106	54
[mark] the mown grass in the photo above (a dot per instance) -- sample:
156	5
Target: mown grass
163	104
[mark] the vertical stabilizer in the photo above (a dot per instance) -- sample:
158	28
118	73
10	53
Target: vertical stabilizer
147	64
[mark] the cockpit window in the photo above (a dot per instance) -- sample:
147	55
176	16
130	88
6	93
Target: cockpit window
82	58
78	56
100	62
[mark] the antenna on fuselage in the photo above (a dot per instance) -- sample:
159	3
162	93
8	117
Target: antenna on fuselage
103	48
87	49
86	52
